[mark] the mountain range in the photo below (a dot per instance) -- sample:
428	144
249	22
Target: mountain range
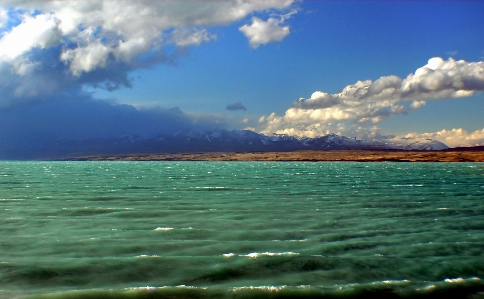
211	141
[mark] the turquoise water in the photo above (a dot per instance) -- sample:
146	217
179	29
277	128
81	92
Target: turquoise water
241	229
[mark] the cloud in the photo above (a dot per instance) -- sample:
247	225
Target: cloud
134	28
40	32
87	58
3	17
262	32
452	53
236	106
35	129
362	105
454	137
191	36
99	43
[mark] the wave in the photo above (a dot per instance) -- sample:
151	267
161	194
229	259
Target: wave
450	288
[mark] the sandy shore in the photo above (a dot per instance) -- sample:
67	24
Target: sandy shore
334	155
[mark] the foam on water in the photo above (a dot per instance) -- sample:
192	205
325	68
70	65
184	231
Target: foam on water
240	230
383	289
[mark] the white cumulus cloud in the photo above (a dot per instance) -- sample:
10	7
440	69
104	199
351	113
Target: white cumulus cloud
263	32
362	105
139	24
40	31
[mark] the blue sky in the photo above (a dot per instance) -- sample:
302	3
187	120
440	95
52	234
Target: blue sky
198	56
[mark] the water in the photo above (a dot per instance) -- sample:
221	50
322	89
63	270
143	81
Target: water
241	229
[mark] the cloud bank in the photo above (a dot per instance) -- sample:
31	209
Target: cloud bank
38	130
357	109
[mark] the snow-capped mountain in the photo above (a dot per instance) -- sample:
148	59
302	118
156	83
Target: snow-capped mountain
232	141
191	141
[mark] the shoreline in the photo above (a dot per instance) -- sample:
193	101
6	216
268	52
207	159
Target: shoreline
301	156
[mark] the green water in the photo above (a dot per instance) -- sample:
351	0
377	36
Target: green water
240	229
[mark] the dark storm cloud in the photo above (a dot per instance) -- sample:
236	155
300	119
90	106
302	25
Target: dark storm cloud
235	107
40	126
45	76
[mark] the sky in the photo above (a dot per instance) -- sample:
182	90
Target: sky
381	70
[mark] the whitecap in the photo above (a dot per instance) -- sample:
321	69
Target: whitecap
395	281
263	288
143	288
455	280
164	228
256	254
145	255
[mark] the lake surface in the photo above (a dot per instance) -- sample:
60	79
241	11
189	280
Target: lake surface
241	229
